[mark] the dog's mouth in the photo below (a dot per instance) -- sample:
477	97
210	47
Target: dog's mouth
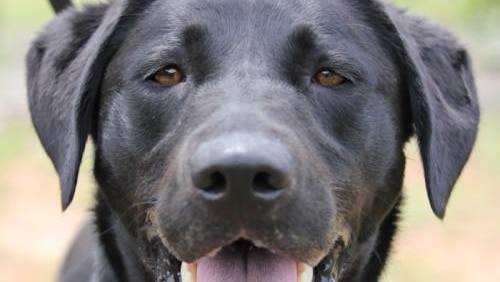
243	261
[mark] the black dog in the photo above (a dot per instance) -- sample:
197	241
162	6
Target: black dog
247	140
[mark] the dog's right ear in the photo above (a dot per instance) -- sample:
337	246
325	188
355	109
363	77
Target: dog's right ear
66	64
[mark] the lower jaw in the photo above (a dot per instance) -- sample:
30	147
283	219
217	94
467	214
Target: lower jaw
286	270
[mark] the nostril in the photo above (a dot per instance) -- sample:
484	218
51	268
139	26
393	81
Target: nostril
215	187
240	168
266	186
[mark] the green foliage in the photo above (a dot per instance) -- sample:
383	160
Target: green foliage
28	14
23	14
13	141
455	11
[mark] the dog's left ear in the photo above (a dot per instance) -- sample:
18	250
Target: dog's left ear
442	96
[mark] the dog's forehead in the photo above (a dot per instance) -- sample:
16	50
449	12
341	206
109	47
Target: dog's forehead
264	36
255	19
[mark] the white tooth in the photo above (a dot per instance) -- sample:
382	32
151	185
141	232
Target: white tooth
304	273
188	272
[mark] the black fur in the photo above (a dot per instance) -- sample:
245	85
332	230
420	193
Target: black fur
249	79
383	246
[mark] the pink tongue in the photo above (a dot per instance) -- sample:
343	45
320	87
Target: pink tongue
260	266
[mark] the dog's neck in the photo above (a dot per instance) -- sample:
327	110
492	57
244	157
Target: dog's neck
116	251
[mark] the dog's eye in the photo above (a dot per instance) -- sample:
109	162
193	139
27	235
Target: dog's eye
168	76
329	78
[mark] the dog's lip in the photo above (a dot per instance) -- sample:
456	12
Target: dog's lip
332	265
328	269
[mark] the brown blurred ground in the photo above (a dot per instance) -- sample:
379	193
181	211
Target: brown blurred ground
34	234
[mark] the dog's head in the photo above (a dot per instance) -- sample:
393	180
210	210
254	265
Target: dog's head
275	124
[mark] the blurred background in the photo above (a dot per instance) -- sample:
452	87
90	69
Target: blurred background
465	247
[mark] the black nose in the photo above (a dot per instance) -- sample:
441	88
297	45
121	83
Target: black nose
241	168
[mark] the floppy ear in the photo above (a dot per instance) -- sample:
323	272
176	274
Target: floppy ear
443	101
65	67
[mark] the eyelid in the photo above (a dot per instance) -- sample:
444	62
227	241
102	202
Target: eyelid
153	71
150	75
343	65
157	59
154	68
347	73
338	79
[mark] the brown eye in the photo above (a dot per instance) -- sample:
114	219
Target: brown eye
169	76
329	78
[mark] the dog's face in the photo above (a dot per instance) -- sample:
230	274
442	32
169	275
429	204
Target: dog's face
229	133
254	138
